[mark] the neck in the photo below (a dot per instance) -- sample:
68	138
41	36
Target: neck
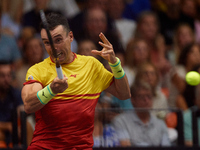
144	116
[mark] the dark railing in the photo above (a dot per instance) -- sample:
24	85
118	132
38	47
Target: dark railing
180	141
195	116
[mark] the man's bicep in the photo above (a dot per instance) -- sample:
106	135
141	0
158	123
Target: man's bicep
30	89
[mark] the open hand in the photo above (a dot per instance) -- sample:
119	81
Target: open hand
107	52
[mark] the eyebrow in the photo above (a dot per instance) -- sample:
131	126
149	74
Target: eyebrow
59	35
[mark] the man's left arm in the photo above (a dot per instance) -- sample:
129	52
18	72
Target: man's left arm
120	87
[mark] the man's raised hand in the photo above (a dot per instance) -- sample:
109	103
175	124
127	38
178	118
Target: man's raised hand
107	52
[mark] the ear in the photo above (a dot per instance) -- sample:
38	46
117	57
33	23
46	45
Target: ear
71	36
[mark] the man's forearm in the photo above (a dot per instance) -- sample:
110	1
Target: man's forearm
121	81
122	88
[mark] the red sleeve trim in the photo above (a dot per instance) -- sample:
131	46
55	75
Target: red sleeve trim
32	81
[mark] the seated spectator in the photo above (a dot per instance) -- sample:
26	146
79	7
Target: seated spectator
188	131
137	52
33	53
85	47
76	23
32	18
188	59
171	18
147	72
148	29
25	34
104	134
10	99
125	27
139	127
184	35
68	8
95	22
187	98
11	17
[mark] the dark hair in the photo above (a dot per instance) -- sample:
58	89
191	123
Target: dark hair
55	19
184	53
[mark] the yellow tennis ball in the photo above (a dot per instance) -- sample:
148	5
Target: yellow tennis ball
192	78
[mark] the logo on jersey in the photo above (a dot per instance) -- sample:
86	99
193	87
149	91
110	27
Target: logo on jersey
73	75
30	78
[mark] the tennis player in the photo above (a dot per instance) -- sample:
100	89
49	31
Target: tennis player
64	108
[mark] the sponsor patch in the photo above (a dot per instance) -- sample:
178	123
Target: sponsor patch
30	78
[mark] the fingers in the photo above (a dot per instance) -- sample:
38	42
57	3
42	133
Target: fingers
96	52
102	53
59	85
105	45
104	39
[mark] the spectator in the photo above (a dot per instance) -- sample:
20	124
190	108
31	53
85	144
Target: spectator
147	72
137	52
32	17
139	127
187	97
9	50
148	29
10	100
184	35
11	17
189	57
188	130
188	8
171	18
68	8
197	21
85	47
77	22
95	22
33	53
125	27
104	134
25	34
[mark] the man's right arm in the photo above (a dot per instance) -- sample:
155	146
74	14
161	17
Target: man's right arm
30	99
34	100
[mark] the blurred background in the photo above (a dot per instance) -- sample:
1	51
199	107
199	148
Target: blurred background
158	43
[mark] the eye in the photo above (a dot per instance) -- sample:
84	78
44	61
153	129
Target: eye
46	43
58	40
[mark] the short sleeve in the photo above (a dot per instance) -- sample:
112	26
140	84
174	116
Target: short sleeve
104	77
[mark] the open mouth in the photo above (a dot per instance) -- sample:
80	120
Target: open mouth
59	54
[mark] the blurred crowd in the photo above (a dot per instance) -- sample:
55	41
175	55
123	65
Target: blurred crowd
157	41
